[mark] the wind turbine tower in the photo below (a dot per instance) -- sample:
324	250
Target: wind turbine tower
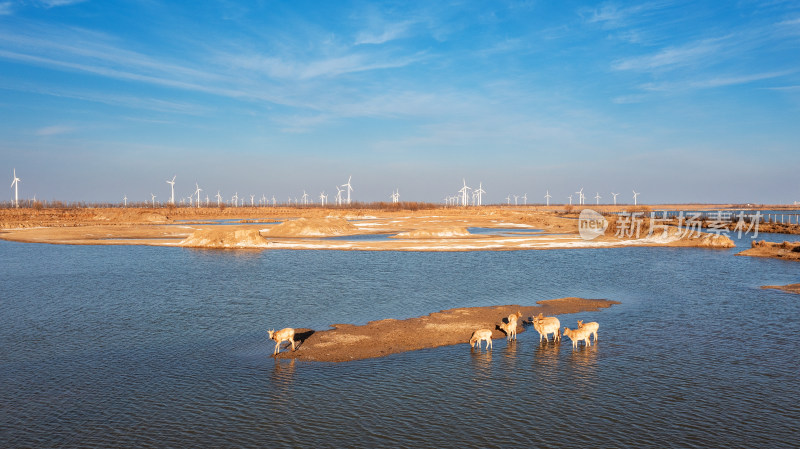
615	197
480	193
464	194
172	187
597	198
197	192
15	185
635	196
580	196
349	188
154	200
339	196
547	197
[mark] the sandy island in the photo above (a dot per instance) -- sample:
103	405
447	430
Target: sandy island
438	229
347	342
783	251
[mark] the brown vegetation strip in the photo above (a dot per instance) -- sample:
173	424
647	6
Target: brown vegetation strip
347	342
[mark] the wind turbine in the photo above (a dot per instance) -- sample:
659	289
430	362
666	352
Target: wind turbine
635	195
615	197
597	198
235	199
125	200
516	197
197	192
464	191
273	200
172	187
206	200
349	188
525	199
480	193
15	185
580	196
339	196
252	200
570	200
305	197
508	200
154	200
219	198
322	198
547	197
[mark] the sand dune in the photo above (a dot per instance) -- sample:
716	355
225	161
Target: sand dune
225	238
312	227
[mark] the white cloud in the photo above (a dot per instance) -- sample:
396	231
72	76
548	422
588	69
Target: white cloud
6	8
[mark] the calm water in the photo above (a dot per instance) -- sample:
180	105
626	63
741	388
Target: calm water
123	346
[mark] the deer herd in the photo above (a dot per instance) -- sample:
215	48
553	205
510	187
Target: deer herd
545	325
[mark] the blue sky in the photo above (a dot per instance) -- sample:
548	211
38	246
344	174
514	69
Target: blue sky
680	100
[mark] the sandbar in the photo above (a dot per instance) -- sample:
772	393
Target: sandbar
783	251
791	288
346	342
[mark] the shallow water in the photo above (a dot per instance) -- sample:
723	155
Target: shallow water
119	346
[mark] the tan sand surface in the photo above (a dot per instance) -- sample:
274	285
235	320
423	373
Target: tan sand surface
791	288
347	342
784	251
443	229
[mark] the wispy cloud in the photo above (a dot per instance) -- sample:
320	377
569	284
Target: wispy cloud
613	15
672	57
112	99
385	32
57	3
54	130
711	83
280	68
6	8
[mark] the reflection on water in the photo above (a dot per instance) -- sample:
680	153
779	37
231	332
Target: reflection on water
164	347
583	360
482	364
